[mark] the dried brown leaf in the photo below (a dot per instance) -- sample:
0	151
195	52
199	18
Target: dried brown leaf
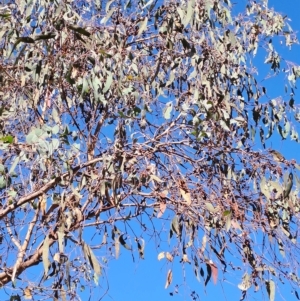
169	279
27	293
90	256
185	258
186	196
214	272
169	256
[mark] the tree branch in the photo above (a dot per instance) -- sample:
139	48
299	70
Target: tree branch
45	188
6	277
22	250
14	240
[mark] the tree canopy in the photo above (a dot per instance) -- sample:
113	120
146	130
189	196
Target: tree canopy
121	121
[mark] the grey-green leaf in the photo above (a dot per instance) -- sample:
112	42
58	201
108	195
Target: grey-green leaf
175	225
91	258
168	110
270	286
123	242
143	26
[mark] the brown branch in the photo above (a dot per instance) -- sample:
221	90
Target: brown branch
45	188
6	277
14	240
92	144
23	249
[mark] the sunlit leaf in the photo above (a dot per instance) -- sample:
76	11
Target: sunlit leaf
161	255
7	139
108	15
228	222
156	178
168	110
45	255
61	243
143	26
186	196
169	256
246	282
27	293
189	14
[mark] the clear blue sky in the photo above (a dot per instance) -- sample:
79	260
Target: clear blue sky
144	280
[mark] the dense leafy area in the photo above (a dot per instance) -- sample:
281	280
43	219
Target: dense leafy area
117	116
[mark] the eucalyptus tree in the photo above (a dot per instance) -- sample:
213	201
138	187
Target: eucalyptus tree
119	116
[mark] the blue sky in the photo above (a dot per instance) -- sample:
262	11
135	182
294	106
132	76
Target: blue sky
144	280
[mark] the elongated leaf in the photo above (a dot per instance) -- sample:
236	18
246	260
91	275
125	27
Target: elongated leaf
123	242
117	246
175	225
228	222
185	44
281	247
169	279
45	255
186	196
141	247
168	110
143	26
156	178
80	30
7	139
108	4
61	237
209	207
263	188
26	40
108	82
108	15
47	36
13	166
189	13
68	278
270	286
91	258
214	273
246	282
204	240
208	269
169	256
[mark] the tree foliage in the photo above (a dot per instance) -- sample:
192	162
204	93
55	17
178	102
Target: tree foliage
118	116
